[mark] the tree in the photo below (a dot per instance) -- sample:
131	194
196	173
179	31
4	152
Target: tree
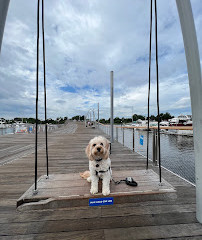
136	117
166	116
103	121
117	120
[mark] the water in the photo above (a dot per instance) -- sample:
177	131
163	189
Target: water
177	152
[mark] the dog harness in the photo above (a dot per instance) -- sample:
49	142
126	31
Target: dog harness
97	165
98	160
102	171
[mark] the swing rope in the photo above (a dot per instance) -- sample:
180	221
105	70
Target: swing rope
37	93
44	71
157	80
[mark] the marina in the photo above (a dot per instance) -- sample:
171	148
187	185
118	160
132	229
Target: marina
177	152
170	216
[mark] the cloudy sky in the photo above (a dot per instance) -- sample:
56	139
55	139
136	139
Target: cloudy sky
85	40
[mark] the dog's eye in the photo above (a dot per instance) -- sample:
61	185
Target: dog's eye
94	145
101	144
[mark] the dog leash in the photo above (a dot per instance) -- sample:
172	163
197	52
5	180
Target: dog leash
117	182
129	180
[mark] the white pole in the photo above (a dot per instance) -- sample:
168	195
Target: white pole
98	114
195	84
112	107
3	13
93	117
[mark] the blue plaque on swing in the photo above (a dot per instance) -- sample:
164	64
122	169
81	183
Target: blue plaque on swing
101	201
141	140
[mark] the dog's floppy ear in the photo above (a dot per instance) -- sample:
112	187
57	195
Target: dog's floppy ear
107	146
88	152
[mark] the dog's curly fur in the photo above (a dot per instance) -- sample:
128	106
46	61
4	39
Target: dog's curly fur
98	148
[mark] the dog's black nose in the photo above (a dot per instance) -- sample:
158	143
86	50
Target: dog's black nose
98	149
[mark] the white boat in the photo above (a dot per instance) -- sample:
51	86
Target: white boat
164	123
188	123
181	120
2	124
173	121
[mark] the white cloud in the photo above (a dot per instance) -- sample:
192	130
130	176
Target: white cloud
85	40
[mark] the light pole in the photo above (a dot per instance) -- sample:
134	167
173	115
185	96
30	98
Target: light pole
112	106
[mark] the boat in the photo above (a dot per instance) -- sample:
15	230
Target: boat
164	123
2	124
181	120
188	123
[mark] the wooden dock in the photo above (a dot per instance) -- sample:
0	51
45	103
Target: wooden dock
149	218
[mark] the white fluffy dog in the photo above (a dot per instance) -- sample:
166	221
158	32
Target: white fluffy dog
97	152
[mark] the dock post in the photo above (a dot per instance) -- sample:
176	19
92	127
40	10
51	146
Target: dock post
123	135
93	117
112	107
195	84
117	139
133	140
155	147
98	115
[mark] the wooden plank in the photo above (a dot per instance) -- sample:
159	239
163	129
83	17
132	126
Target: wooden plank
183	231
96	223
77	235
86	212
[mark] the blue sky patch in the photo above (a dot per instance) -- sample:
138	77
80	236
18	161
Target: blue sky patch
68	89
142	58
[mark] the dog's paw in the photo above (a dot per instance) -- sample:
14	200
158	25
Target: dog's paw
93	190
89	179
105	192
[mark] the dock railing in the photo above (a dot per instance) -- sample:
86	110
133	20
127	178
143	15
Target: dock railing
130	136
30	128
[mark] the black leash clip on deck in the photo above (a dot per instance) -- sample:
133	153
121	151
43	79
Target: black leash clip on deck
129	181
